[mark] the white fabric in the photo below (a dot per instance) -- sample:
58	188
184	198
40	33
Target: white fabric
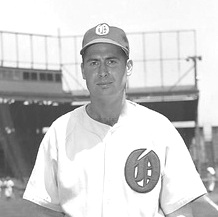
80	166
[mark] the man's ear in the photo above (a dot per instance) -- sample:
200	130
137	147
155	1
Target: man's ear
129	66
82	70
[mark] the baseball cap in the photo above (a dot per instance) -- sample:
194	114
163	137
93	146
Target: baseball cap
103	33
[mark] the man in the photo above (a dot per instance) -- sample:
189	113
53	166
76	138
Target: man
9	184
1	186
112	157
211	179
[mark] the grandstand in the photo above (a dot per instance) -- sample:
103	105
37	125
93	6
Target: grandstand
40	80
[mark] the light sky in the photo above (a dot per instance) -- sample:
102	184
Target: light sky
74	17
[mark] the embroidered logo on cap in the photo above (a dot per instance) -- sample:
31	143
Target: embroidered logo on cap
102	29
142	170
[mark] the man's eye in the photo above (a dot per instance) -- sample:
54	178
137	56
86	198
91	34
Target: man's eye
93	63
111	62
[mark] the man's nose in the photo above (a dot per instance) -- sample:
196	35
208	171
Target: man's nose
103	70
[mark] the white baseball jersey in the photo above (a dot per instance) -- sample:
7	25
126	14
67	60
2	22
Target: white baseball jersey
139	167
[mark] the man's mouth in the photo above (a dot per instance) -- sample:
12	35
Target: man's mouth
104	83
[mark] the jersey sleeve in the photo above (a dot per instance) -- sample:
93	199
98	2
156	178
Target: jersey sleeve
42	187
181	183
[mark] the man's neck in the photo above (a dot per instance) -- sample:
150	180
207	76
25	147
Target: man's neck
106	111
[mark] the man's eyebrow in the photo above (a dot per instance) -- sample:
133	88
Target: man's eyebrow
113	57
91	59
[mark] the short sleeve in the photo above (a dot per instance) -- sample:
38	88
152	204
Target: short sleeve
181	182
42	186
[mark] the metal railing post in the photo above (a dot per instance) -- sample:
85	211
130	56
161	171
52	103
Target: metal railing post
17	50
2	50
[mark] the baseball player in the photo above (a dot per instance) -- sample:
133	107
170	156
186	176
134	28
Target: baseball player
211	179
1	186
112	157
9	184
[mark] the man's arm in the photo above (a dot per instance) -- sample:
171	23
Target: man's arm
41	211
185	211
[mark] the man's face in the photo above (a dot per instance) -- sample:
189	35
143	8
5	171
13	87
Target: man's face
105	68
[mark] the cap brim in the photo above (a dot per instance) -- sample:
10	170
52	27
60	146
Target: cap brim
104	40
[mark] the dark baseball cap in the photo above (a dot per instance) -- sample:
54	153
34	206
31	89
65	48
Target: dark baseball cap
103	33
